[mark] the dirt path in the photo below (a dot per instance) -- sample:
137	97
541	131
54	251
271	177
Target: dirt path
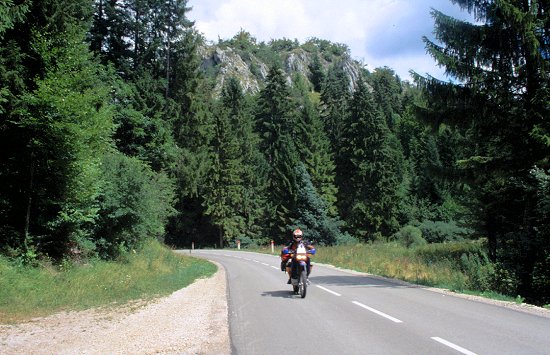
192	320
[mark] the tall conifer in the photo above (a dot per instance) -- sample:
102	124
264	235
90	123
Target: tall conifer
368	170
499	101
276	117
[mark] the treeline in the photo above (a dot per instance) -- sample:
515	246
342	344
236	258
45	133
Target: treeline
110	134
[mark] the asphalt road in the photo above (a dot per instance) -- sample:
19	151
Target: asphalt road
351	313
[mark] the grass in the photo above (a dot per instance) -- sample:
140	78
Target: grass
154	271
431	265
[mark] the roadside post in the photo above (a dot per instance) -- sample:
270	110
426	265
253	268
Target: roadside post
239	244
272	246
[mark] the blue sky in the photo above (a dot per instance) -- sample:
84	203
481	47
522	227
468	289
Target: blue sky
377	32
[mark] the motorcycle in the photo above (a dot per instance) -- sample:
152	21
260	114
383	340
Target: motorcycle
298	263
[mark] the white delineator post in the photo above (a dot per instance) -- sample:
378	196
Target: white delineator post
239	244
272	246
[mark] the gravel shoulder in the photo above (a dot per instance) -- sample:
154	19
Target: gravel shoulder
192	320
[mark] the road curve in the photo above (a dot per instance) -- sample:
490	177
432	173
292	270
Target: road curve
351	313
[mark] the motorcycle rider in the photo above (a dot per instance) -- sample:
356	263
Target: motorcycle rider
297	237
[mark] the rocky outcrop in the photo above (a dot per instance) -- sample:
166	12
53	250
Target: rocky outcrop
222	63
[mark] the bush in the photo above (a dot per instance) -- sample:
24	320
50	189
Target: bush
452	252
134	205
410	236
479	270
439	231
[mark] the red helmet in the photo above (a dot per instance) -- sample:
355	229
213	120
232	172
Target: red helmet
297	234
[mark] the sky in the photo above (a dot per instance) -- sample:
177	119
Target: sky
377	32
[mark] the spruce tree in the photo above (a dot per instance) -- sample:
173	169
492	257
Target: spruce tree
499	101
276	120
224	189
253	168
335	97
369	170
387	92
314	146
312	213
317	76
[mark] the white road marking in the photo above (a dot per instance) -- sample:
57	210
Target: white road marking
329	291
265	264
275	267
378	312
454	346
256	261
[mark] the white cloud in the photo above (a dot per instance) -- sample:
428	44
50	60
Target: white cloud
378	32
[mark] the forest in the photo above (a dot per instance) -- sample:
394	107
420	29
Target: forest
111	133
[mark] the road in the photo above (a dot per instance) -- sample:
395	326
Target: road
351	313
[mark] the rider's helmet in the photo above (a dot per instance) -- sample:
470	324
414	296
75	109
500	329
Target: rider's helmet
297	235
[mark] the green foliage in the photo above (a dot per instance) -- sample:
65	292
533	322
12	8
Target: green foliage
10	14
498	123
479	270
452	252
335	98
69	122
440	231
312	213
276	117
368	170
317	73
410	236
314	147
135	204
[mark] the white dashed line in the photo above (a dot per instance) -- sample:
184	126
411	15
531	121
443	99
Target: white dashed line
378	312
329	291
454	346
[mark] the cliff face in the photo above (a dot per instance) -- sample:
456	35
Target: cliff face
222	62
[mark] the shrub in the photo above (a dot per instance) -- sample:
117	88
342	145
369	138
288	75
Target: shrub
135	204
479	270
440	252
439	231
410	236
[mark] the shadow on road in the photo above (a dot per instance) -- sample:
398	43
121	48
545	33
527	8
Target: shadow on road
279	293
359	281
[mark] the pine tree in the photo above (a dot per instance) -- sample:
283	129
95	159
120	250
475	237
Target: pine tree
387	92
317	76
276	120
70	123
313	214
224	190
55	126
314	147
369	171
499	102
335	97
253	165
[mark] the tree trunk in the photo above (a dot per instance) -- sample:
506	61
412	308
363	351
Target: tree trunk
29	204
220	229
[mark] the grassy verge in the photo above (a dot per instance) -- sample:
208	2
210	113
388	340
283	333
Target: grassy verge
154	271
453	266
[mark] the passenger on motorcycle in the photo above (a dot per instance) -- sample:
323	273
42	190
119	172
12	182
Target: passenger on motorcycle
297	237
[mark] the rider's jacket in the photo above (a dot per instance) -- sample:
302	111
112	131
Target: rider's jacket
291	248
293	245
